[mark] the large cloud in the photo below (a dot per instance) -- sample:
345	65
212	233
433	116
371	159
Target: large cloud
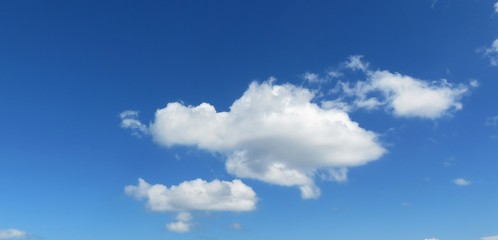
273	133
404	95
196	195
12	233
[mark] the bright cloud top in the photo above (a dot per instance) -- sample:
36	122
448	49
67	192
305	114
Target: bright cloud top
196	195
273	133
404	95
12	233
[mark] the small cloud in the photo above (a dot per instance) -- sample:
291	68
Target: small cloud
434	3
462	182
236	226
431	238
12	233
403	95
496	7
182	225
312	77
491	121
492	53
129	120
197	194
490	238
356	62
335	74
474	83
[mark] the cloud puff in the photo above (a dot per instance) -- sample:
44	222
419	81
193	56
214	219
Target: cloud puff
273	133
12	233
496	7
196	195
431	239
492	52
490	238
183	223
406	96
462	182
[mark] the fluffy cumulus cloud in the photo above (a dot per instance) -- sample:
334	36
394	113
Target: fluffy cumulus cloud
462	182
490	238
195	195
403	95
183	223
273	133
492	53
12	233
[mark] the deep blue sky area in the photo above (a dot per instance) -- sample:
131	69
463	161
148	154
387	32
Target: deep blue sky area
69	68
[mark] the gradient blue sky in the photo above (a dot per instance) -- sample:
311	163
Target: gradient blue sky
69	68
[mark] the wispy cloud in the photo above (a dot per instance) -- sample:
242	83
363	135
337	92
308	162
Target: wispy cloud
236	226
491	121
12	233
129	120
491	52
490	238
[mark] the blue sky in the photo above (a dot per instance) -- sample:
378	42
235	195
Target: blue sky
249	120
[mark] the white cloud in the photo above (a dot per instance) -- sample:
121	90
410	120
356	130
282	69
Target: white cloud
12	233
491	121
129	119
404	95
410	97
431	238
196	195
492	53
273	133
183	223
490	238
462	182
496	7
